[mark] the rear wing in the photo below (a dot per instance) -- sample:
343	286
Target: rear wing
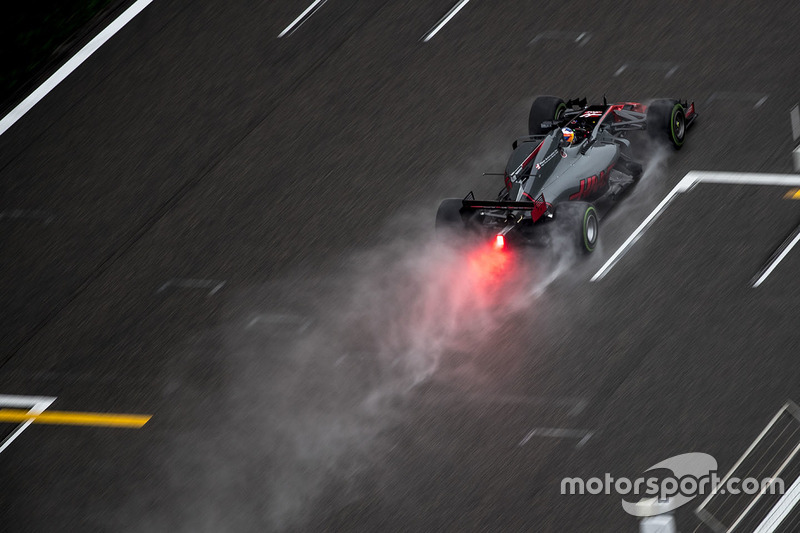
537	207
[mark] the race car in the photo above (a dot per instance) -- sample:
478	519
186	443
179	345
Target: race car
576	163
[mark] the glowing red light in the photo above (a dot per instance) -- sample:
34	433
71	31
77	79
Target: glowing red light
499	242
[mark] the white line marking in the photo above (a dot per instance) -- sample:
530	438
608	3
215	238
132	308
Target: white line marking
774	261
794	116
796	157
304	16
37	405
781	509
186	283
764	490
450	14
621	69
682	185
72	64
29	214
560	433
687	182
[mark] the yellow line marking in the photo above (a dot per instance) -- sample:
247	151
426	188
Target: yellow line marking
73	418
792	194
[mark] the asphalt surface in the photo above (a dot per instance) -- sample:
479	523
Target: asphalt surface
338	380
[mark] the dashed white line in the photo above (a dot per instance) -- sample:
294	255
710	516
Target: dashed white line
304	16
83	54
583	435
450	14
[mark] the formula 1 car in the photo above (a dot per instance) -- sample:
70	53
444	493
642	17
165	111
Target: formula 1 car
576	164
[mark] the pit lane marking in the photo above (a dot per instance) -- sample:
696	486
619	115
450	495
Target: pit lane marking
73	63
776	257
792	194
444	20
35	404
73	418
187	283
583	435
304	16
685	184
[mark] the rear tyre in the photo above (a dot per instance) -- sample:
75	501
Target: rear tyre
666	121
545	108
448	216
579	221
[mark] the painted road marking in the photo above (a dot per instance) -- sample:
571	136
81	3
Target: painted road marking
758	98
794	116
581	38
796	158
35	405
781	510
83	54
774	451
583	435
776	257
439	25
304	16
687	183
792	194
27	214
72	418
187	283
671	68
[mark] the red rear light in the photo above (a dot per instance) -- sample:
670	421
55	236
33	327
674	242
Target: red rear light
499	242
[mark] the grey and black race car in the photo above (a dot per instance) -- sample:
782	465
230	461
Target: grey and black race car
578	161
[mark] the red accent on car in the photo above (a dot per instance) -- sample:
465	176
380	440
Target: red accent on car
533	154
539	208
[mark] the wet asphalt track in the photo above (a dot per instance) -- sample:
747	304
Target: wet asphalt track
197	145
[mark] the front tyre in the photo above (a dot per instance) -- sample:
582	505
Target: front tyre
666	121
544	109
579	221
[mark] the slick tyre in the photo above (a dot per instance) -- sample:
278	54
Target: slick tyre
666	122
545	108
579	221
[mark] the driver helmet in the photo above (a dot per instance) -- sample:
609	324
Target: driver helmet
567	136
